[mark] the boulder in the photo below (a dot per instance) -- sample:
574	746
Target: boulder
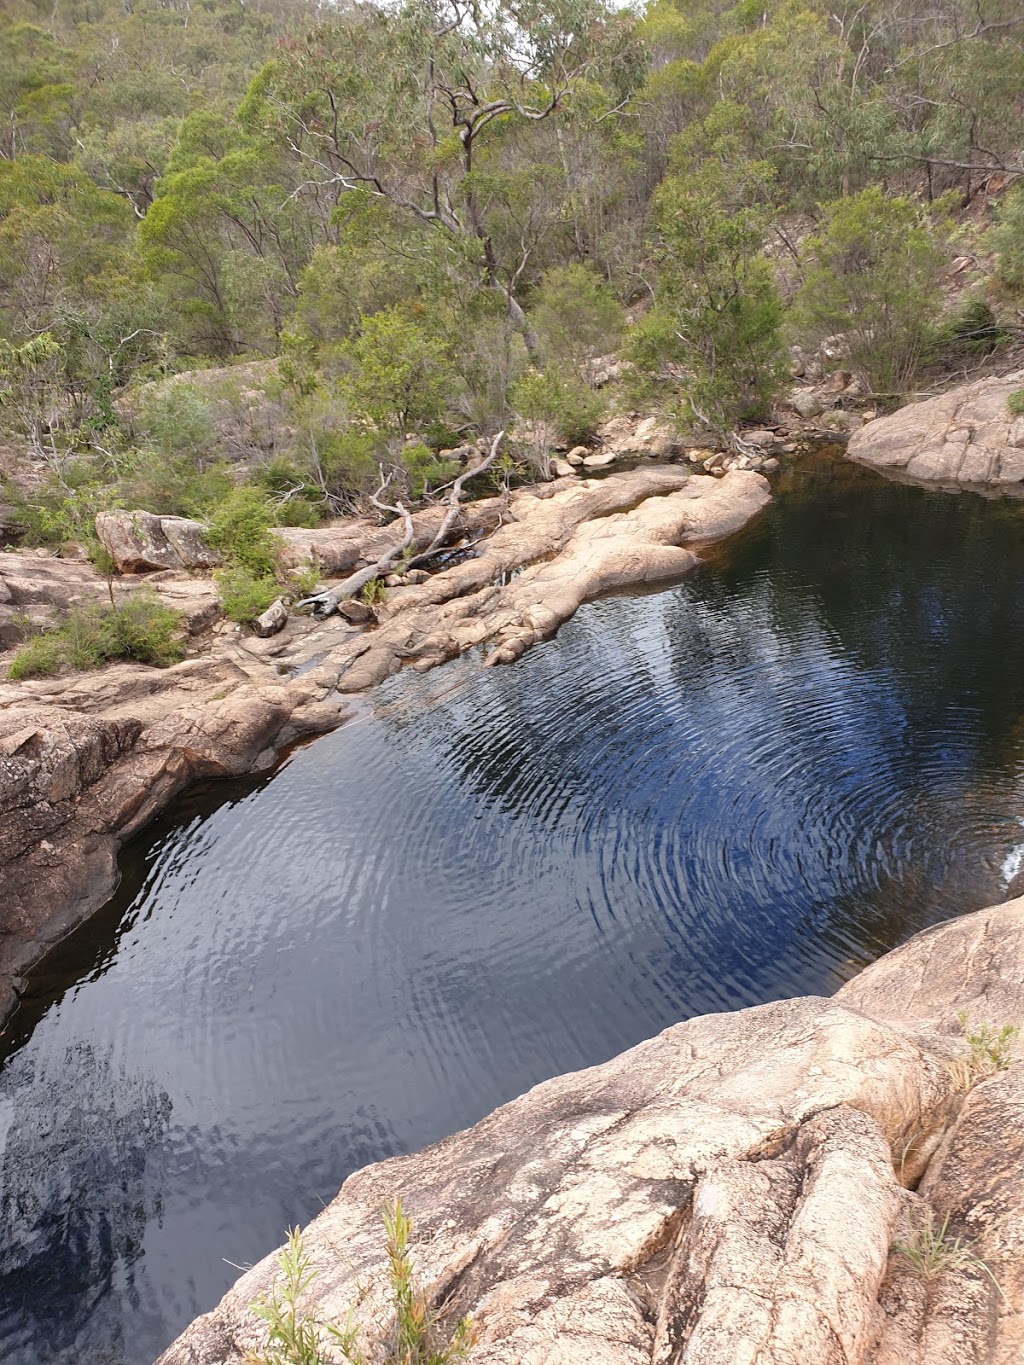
806	402
562	468
272	620
762	440
745	1187
139	542
965	438
600	461
577	455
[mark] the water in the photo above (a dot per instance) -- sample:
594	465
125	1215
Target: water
742	787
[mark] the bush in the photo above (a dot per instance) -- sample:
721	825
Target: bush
563	405
424	469
874	276
140	629
239	528
1006	240
1015	403
716	324
245	595
970	330
577	318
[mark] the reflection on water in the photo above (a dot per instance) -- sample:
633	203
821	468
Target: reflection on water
743	787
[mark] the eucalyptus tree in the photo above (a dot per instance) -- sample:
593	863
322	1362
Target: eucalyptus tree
431	108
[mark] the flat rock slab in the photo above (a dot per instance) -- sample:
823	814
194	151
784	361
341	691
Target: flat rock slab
966	438
728	1193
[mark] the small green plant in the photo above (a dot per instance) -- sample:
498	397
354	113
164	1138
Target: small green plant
930	1249
1015	403
244	594
140	629
373	592
413	1336
991	1048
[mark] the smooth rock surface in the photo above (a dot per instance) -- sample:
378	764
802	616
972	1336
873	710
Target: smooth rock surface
966	438
139	542
727	1193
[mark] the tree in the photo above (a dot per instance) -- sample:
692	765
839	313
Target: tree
421	106
873	277
577	318
715	326
399	375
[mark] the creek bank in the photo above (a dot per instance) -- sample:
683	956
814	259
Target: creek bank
731	1190
964	439
88	759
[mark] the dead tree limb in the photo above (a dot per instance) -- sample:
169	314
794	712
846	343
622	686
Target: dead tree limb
326	603
453	500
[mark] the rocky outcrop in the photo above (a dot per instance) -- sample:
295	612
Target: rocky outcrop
736	1190
966	438
139	541
559	545
87	761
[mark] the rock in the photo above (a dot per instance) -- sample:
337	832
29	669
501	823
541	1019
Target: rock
272	620
762	440
561	544
715	461
789	448
601	461
770	465
577	455
806	402
355	611
415	576
5	592
837	381
139	542
561	468
965	438
186	539
393	580
729	1191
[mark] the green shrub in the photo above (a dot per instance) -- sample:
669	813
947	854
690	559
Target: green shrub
563	405
425	470
577	318
1006	240
140	628
1015	403
239	527
874	275
970	330
245	595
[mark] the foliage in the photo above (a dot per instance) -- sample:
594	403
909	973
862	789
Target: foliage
244	594
1006	239
240	529
873	277
931	1251
398	373
140	628
560	407
577	318
1015	402
991	1047
414	1335
968	332
715	326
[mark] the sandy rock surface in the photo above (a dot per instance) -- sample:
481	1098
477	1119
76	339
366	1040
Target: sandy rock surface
728	1193
966	438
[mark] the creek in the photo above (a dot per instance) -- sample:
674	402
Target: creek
742	787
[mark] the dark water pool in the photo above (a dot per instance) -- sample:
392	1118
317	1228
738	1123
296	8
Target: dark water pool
742	787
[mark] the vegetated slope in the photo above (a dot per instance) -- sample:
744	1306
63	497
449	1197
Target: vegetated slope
437	225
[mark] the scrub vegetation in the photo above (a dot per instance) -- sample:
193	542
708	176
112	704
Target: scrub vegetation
255	259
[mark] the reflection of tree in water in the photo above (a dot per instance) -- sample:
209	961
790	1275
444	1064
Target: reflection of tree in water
74	1198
